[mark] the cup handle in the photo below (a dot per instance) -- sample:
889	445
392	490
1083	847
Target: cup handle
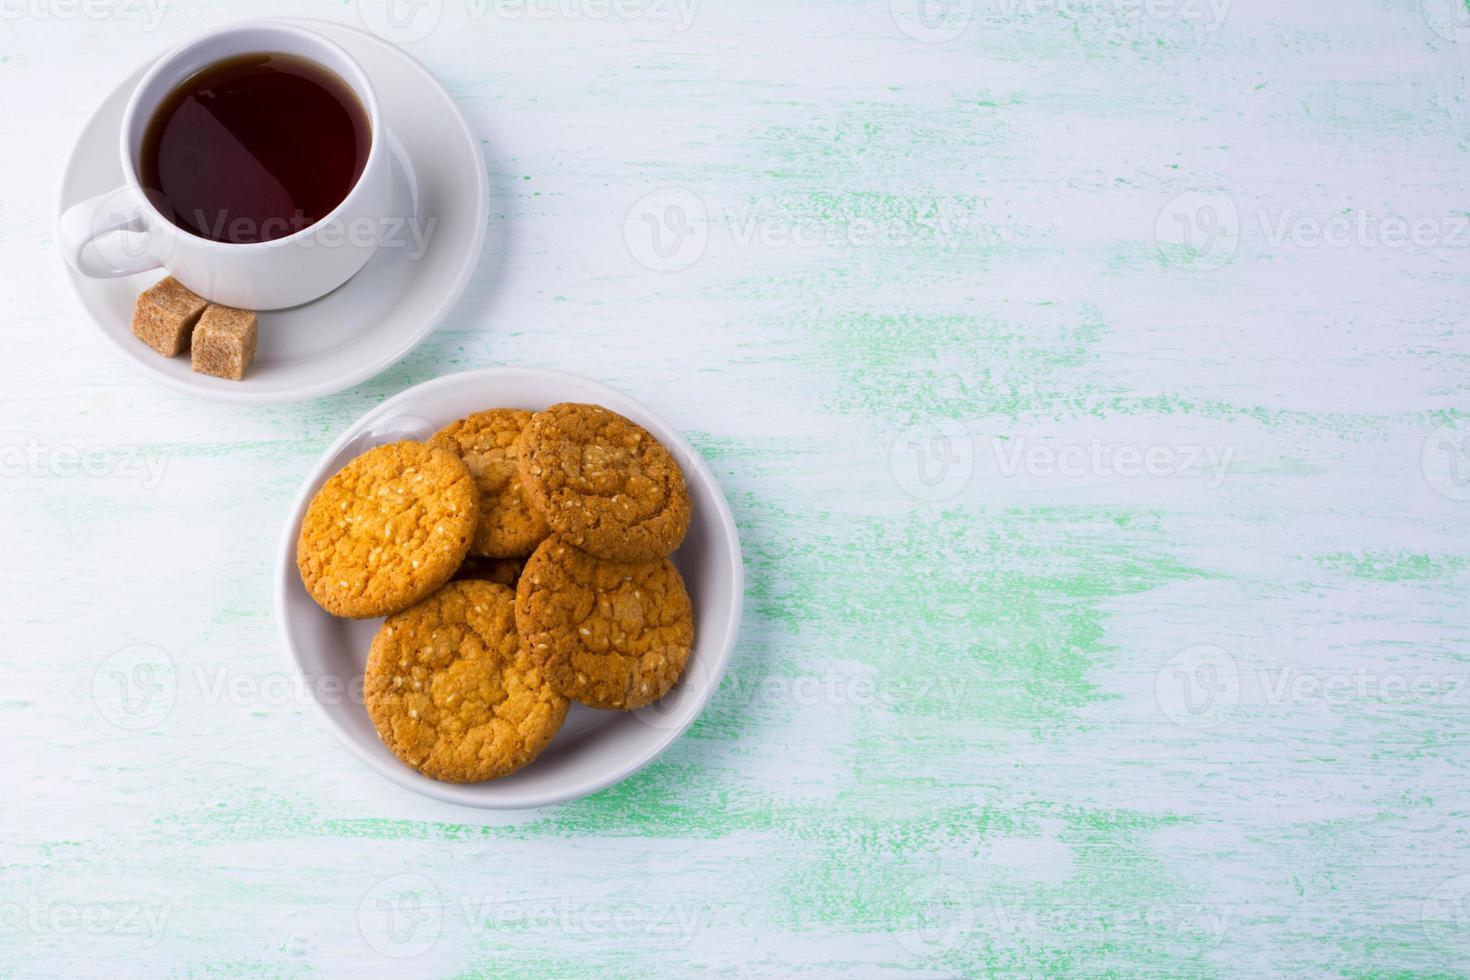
121	212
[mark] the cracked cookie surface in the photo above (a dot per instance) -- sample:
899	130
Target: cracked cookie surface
387	529
452	693
609	634
604	483
510	526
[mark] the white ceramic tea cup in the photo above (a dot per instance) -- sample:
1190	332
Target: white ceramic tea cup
121	232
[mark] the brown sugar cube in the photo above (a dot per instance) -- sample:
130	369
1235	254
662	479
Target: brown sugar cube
165	316
224	342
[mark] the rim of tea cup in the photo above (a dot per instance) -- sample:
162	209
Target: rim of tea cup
356	78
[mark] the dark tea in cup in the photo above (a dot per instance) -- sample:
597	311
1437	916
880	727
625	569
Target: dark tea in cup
254	147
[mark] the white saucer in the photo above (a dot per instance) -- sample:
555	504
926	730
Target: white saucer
379	315
594	749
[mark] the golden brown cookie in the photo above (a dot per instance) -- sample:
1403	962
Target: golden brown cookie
510	527
610	634
501	571
452	693
389	528
604	483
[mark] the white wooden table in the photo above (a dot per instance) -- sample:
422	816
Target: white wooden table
1089	380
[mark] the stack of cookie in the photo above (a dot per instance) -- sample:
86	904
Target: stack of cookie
576	509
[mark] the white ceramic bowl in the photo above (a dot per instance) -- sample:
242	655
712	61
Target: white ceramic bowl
594	749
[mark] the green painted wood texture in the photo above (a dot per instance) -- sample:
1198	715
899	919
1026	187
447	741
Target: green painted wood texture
1089	382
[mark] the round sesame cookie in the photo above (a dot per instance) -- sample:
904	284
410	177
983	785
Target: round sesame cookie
604	483
610	634
510	527
452	693
387	529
